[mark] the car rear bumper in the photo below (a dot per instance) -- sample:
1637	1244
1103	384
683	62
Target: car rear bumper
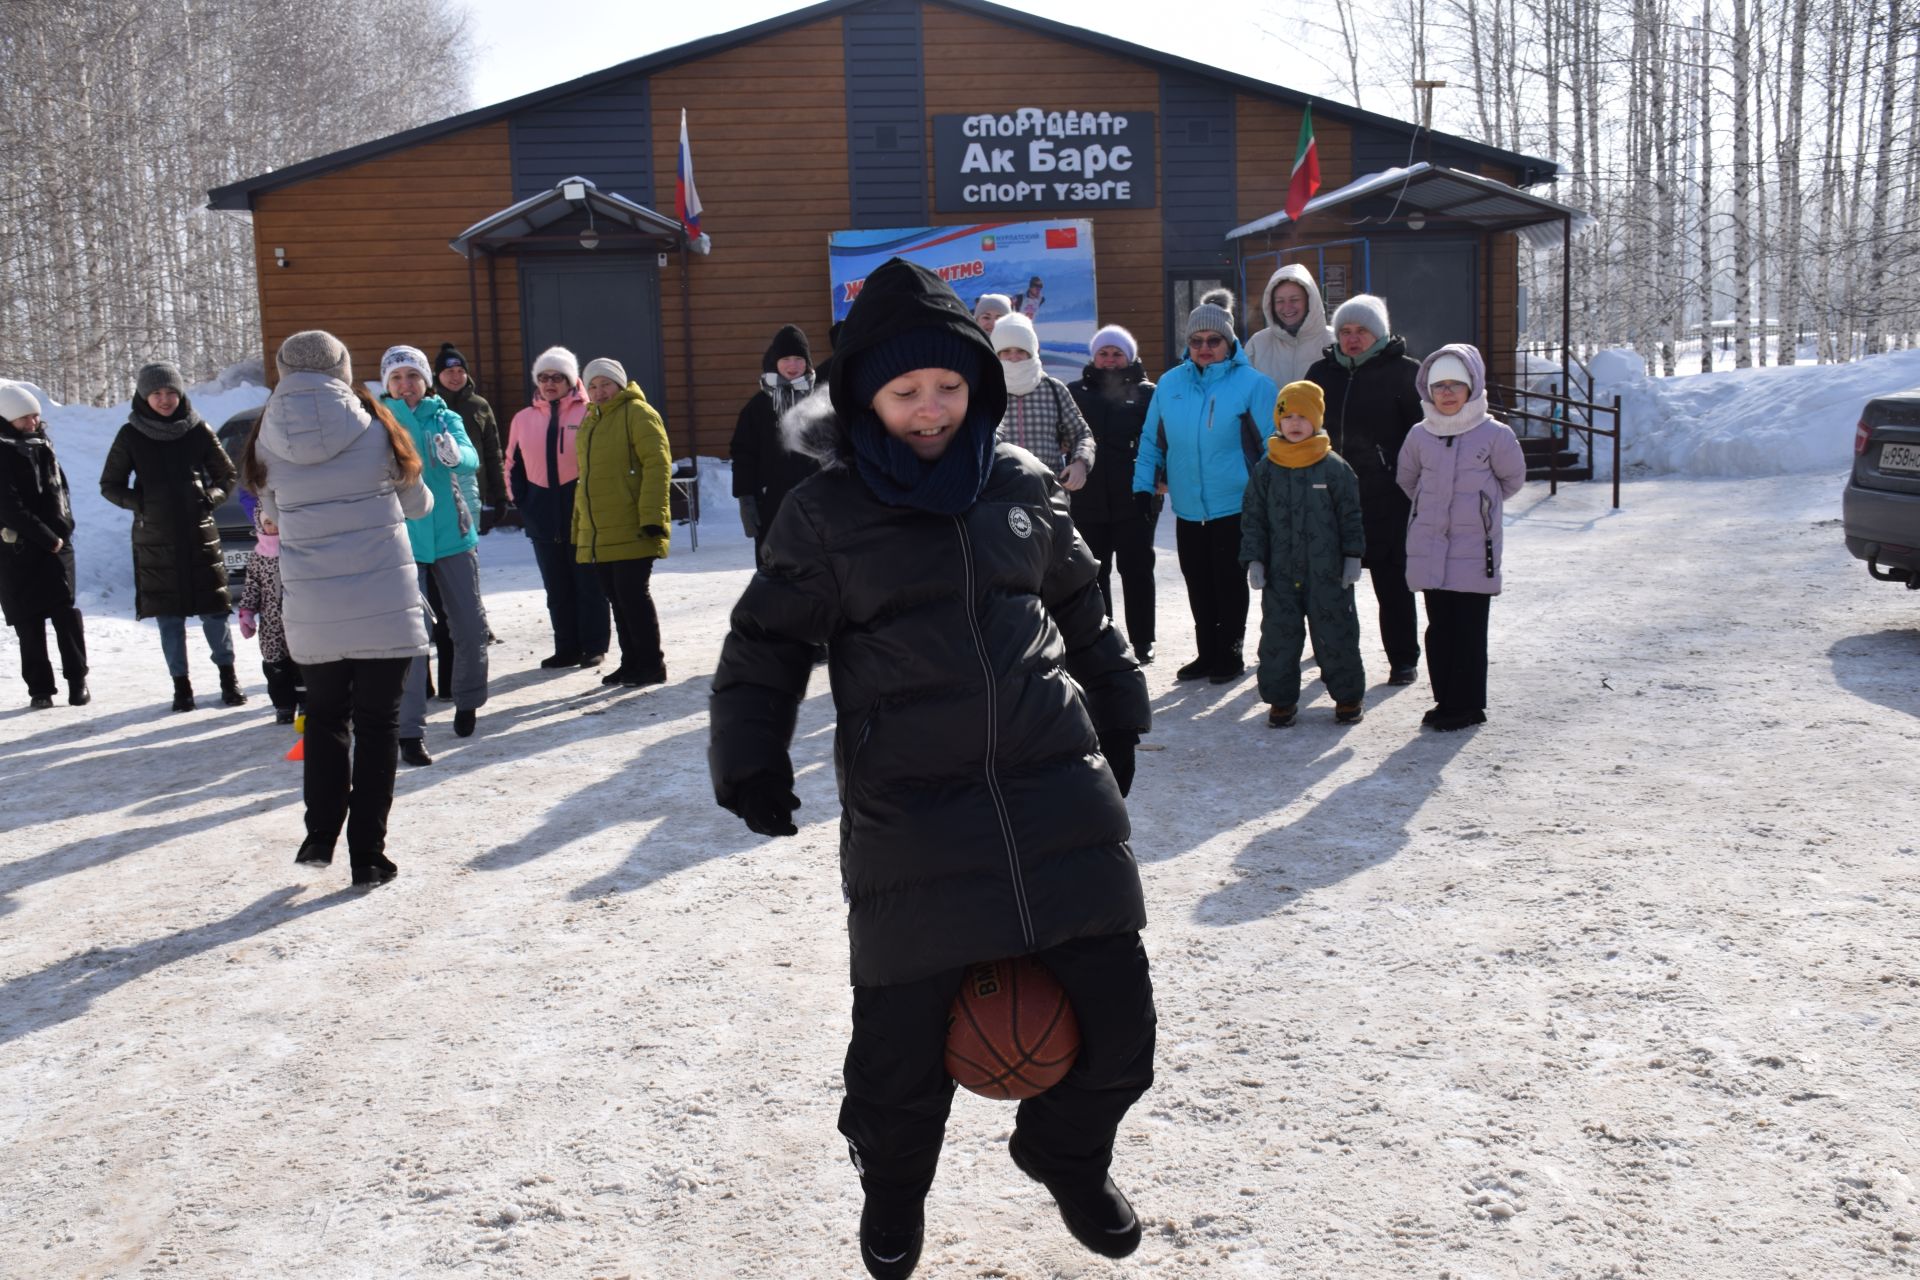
1881	526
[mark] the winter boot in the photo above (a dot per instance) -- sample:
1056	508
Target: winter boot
182	693
463	721
555	661
1348	712
890	1239
314	852
40	701
230	687
1454	721
374	872
616	675
445	682
1195	670
1231	663
1403	675
414	751
1279	717
1099	1216
78	695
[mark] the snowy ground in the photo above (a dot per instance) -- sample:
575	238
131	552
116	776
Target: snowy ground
1621	984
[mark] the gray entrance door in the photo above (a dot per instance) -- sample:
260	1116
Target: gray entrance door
595	304
1432	291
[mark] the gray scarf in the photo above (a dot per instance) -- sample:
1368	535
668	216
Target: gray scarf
165	430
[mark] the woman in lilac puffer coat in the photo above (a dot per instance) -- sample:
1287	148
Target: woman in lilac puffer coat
1459	466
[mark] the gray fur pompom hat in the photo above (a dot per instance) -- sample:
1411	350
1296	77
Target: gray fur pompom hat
1215	313
314	351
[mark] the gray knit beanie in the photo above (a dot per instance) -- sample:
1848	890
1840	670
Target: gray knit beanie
314	351
154	376
1366	310
1215	313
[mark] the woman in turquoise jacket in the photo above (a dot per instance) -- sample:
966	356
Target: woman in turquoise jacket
1202	435
445	544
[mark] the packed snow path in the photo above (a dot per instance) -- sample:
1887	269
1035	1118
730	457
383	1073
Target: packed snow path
1622	983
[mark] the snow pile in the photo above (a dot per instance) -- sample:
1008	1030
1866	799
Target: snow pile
1744	422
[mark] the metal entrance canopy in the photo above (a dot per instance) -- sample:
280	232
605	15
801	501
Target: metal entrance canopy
1441	196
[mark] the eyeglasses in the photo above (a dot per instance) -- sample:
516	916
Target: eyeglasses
1206	341
549	377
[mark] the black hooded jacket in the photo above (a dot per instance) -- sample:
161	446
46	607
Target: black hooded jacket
1114	402
173	487
1370	409
36	509
765	470
973	670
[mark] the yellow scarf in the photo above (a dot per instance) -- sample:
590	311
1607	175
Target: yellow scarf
1305	453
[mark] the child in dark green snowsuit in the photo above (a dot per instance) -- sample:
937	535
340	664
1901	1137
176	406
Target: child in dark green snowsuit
1301	540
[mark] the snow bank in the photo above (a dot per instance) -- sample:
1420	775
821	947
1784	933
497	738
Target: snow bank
1745	422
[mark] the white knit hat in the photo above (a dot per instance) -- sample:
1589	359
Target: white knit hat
605	367
1367	311
16	402
1012	331
1114	336
405	357
558	360
996	304
1449	368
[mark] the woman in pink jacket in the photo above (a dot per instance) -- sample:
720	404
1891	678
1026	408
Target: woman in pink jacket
1459	466
542	474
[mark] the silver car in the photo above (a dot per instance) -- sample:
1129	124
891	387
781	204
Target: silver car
1880	511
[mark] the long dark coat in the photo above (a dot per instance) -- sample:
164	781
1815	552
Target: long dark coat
483	429
36	582
1114	403
1369	412
173	488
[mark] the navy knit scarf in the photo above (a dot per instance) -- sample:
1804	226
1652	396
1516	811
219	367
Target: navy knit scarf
946	486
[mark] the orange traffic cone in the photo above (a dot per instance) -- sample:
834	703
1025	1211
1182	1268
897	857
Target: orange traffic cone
299	749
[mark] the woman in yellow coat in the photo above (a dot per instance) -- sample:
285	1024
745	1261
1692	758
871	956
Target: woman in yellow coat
620	512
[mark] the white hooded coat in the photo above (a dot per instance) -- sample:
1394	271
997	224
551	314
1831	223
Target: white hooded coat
1286	357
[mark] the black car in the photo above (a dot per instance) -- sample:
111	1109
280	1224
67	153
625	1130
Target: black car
236	528
1880	510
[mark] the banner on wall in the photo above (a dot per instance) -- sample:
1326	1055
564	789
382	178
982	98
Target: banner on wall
1045	267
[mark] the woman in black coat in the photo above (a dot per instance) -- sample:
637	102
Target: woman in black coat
167	468
765	469
1113	393
987	718
36	551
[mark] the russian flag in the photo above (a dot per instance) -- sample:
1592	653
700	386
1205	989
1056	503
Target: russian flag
686	198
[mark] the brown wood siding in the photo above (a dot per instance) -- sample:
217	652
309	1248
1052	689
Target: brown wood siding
977	65
368	256
769	138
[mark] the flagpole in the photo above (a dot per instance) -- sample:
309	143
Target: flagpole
686	355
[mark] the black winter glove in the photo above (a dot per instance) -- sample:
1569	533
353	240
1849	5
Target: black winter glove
1118	749
1143	503
655	531
766	804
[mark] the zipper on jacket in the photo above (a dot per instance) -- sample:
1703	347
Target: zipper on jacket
993	739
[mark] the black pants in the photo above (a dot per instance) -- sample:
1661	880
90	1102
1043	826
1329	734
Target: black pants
1385	514
68	635
576	606
286	688
898	1091
363	693
1457	649
1216	586
637	622
1130	542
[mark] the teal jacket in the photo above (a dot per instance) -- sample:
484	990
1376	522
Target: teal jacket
1205	428
453	526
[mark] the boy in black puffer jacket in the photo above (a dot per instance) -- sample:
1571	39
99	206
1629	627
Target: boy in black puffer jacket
988	714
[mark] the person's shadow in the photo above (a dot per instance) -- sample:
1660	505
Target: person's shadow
67	988
1359	824
1881	666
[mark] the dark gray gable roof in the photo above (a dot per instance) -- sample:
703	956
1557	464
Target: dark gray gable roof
238	195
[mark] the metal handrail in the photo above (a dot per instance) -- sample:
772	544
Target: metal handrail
1561	426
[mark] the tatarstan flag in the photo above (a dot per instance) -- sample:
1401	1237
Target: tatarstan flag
1306	169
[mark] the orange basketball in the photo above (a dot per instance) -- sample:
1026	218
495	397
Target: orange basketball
1011	1032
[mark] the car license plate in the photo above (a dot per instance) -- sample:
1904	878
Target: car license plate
1900	457
237	559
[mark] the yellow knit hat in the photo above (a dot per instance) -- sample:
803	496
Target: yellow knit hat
1303	398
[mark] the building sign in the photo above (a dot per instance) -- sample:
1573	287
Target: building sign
1046	268
1029	159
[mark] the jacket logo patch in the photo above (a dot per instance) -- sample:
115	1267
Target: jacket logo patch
1020	522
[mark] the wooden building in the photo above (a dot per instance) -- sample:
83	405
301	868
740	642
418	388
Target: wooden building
819	121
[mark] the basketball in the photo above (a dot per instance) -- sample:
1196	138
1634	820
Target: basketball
1011	1032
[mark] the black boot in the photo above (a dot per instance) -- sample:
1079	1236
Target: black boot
445	682
1230	662
374	872
78	695
314	852
463	721
230	687
890	1239
1099	1216
182	693
414	751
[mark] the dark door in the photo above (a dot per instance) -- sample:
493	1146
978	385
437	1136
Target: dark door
595	304
1431	288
